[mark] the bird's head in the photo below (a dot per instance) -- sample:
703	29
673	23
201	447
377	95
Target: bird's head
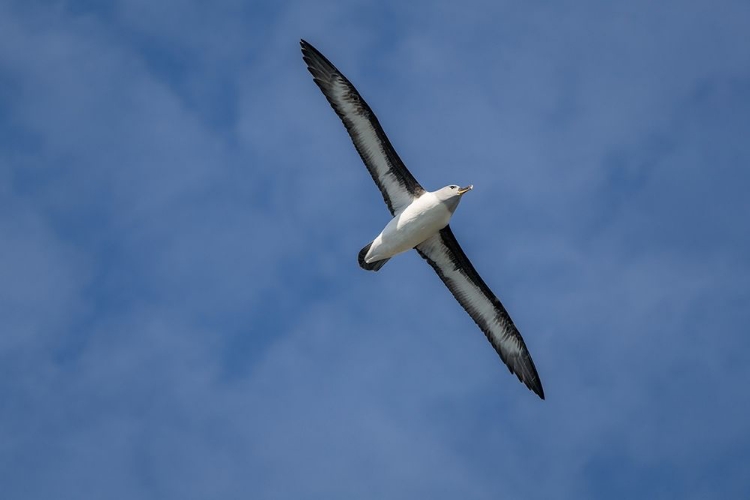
451	195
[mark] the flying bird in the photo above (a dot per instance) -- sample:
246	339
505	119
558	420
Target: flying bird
420	220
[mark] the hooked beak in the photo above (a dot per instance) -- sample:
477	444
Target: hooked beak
466	189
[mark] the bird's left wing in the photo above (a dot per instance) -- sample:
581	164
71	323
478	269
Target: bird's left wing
397	185
445	255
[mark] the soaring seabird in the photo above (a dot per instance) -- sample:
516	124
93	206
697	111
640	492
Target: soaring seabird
420	220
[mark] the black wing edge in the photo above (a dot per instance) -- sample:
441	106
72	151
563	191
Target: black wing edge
520	365
323	71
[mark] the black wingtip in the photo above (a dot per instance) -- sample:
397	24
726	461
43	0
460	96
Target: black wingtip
522	366
322	70
534	383
537	388
527	375
531	379
309	50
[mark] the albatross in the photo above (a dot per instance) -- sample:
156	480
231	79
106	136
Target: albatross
420	220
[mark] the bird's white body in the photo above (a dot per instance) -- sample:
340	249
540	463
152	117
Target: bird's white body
421	219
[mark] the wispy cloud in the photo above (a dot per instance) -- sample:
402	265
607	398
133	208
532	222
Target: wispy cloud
181	307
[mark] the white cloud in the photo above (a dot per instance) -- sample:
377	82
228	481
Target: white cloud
182	282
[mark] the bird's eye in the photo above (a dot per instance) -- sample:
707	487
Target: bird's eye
454	187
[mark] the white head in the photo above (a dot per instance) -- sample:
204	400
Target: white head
451	195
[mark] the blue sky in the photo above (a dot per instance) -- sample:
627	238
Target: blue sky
181	311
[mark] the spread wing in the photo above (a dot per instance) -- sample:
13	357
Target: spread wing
395	182
444	254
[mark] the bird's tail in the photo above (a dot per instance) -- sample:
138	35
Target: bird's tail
372	266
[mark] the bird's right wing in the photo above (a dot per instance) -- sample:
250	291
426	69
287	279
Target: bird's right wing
445	255
398	186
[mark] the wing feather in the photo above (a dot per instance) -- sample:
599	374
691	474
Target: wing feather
397	185
445	255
